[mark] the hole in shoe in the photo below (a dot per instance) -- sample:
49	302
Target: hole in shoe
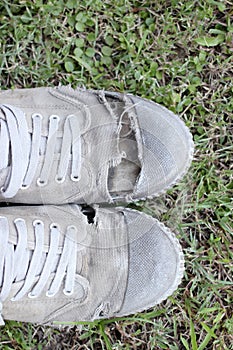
89	212
122	178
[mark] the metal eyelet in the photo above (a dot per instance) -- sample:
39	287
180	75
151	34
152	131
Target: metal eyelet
38	223
41	183
37	115
68	293
54	225
19	220
59	180
32	296
75	178
49	294
24	187
54	117
72	227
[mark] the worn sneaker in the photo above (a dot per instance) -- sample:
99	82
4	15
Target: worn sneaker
59	145
67	264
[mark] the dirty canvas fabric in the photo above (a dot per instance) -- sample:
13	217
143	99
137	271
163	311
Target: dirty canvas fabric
61	148
57	267
60	145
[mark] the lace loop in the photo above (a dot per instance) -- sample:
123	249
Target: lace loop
13	267
35	148
71	144
20	149
18	138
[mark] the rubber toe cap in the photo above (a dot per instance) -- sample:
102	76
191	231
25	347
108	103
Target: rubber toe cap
166	148
156	263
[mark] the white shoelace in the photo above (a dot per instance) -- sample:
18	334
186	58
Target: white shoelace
17	263
20	151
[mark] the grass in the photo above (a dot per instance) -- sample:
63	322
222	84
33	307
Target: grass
176	53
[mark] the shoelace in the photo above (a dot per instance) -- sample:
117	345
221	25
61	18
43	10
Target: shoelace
16	264
23	149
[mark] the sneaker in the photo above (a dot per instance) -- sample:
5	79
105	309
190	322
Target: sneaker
61	264
60	145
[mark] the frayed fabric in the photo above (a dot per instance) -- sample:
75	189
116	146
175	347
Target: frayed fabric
58	146
58	267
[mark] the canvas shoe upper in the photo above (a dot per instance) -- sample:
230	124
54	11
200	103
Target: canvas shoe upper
59	265
59	145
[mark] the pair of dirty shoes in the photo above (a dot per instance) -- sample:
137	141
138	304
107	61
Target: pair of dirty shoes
63	258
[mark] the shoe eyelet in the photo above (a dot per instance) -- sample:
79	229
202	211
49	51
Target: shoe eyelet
54	117
59	180
41	183
49	294
2	189
37	116
72	227
54	226
32	296
24	186
68	293
38	223
19	220
75	178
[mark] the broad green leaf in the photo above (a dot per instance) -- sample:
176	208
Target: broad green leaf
91	37
220	4
90	52
79	42
71	4
210	40
78	52
81	17
109	40
202	56
69	66
106	60
79	26
106	51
